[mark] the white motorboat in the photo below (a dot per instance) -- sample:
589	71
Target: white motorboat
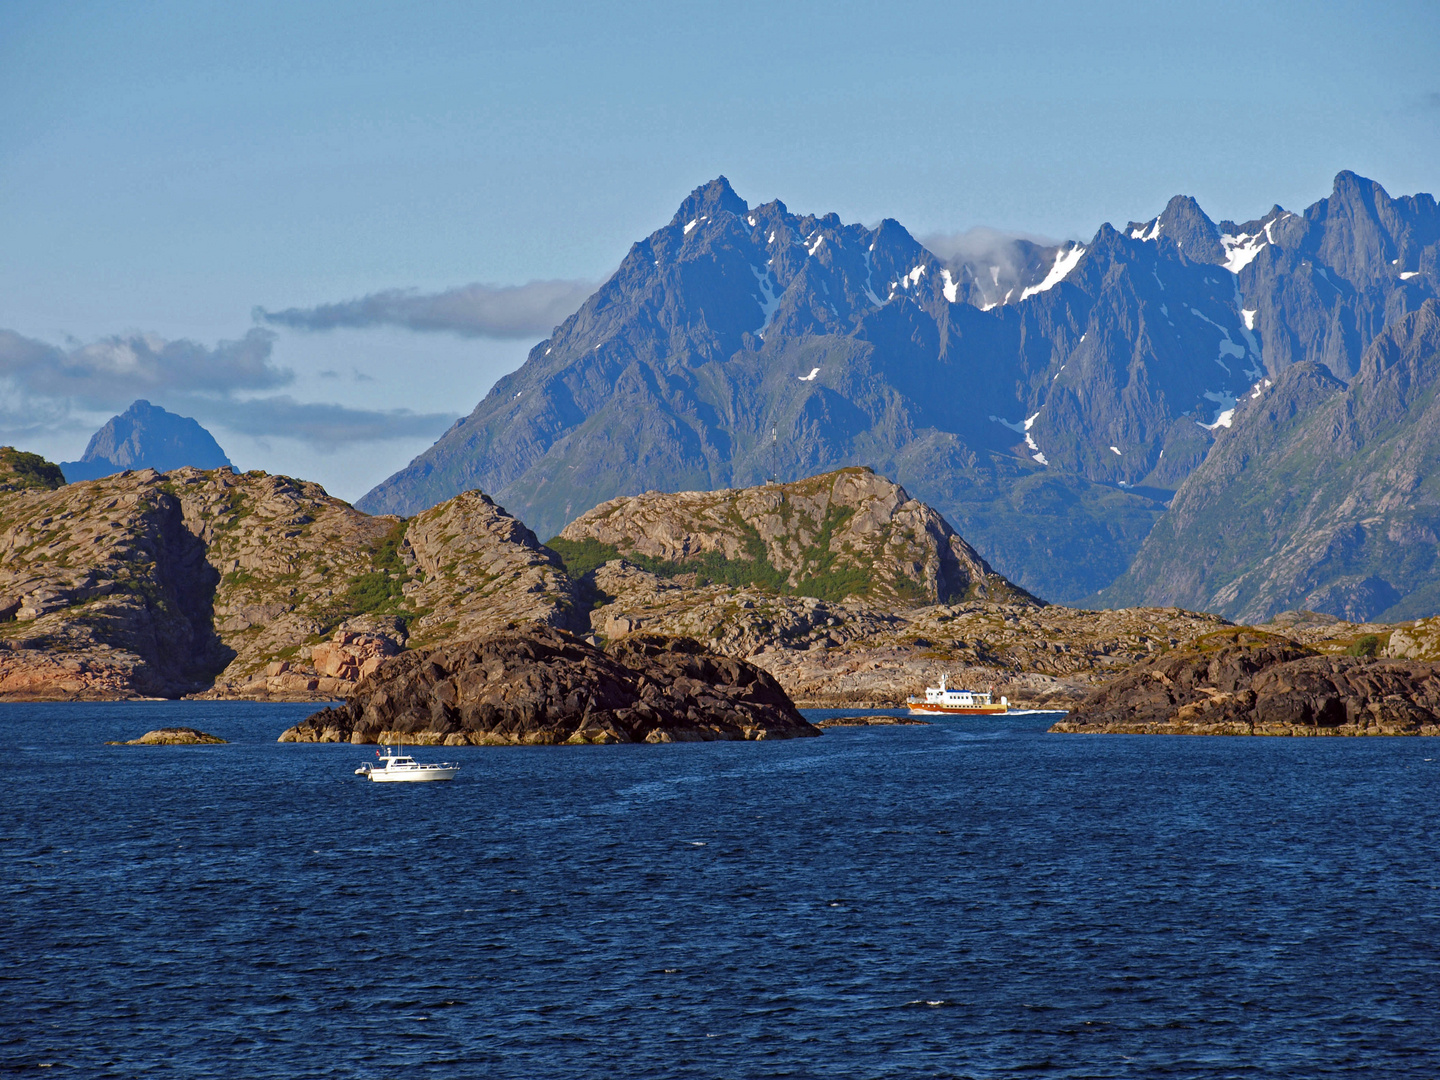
401	768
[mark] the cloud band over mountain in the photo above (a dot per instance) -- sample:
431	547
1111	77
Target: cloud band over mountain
40	385
117	369
491	311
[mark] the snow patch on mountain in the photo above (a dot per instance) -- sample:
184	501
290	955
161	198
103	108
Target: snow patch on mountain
1024	429
1065	261
1140	232
869	275
810	377
1240	251
1228	347
769	298
1226	413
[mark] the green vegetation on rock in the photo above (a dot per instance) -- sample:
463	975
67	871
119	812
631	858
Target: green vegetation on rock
825	581
377	591
28	471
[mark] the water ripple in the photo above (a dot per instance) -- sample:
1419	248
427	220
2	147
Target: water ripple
968	899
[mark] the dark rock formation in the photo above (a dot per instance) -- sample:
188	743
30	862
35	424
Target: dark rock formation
1247	682
544	686
146	436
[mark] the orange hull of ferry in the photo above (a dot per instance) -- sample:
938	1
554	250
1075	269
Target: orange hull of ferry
955	710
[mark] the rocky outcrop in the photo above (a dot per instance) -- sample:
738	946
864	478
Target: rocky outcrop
544	686
95	674
226	584
182	582
352	656
1419	641
172	736
849	533
477	570
1247	682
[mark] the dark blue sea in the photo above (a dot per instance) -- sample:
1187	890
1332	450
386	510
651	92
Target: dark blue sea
974	898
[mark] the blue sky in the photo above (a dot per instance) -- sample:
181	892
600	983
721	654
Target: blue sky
167	168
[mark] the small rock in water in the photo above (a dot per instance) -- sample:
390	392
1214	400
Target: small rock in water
172	736
869	721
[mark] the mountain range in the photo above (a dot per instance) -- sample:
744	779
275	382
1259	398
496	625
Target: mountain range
1065	411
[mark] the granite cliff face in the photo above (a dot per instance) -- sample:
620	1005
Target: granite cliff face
540	686
843	534
1049	422
146	436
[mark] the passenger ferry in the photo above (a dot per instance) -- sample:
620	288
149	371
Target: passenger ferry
941	699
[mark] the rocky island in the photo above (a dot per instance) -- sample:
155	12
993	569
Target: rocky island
541	686
1249	682
173	736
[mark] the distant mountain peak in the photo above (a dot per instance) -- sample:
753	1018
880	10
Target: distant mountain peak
1185	226
707	200
146	436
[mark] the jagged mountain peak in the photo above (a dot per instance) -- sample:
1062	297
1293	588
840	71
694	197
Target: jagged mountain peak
1186	227
708	200
1348	183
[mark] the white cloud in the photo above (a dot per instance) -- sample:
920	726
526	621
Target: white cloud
50	393
493	311
116	370
324	425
